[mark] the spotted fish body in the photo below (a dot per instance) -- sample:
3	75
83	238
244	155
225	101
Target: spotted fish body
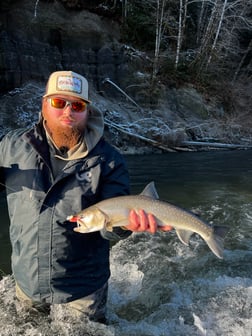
115	211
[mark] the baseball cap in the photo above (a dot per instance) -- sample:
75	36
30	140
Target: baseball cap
67	83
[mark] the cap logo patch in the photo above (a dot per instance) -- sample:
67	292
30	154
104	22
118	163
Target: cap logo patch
69	83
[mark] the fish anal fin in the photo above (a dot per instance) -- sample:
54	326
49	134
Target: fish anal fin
150	191
184	235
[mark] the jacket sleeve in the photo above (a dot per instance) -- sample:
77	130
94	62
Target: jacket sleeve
115	183
1	180
1	167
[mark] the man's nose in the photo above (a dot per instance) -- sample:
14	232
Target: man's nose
68	108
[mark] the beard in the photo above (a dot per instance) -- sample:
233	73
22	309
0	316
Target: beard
64	138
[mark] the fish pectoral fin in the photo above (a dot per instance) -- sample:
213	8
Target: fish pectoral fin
109	226
184	235
116	223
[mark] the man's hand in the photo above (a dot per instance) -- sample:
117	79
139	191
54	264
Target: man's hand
142	222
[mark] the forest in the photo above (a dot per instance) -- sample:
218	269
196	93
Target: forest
204	43
192	39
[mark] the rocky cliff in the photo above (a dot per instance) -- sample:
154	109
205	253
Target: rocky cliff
38	37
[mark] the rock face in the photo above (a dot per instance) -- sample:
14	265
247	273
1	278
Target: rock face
38	37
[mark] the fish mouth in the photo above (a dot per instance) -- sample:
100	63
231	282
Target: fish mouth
72	218
76	219
81	227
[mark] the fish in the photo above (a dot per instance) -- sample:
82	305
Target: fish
114	212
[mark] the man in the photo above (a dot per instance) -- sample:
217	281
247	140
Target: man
59	167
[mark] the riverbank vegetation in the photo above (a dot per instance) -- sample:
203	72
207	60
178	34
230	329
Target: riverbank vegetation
204	44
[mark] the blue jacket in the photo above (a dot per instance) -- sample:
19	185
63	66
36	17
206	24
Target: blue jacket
50	262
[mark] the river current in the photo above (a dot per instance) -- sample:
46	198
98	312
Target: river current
158	286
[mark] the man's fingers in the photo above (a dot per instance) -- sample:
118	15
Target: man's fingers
152	223
143	220
140	221
165	228
134	219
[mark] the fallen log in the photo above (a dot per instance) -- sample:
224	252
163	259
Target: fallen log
178	147
214	145
140	137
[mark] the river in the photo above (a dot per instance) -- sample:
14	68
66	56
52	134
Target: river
158	286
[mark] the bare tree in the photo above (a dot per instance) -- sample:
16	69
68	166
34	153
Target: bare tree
207	30
181	28
160	5
201	20
245	54
124	9
217	31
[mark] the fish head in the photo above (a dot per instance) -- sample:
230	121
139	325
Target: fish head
89	220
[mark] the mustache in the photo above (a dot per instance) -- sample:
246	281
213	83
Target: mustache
67	118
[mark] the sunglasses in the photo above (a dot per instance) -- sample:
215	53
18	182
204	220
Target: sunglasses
60	103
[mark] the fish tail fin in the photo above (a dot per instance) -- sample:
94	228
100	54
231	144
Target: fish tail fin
215	243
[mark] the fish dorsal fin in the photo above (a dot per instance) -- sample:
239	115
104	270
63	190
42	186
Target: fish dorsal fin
150	191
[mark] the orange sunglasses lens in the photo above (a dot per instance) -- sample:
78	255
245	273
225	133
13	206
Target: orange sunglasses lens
77	106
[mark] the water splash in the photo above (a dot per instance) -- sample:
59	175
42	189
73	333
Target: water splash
160	287
18	320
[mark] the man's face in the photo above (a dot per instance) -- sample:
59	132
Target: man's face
65	113
65	118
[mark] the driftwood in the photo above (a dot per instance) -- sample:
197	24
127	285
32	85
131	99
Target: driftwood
140	137
183	146
107	80
214	145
